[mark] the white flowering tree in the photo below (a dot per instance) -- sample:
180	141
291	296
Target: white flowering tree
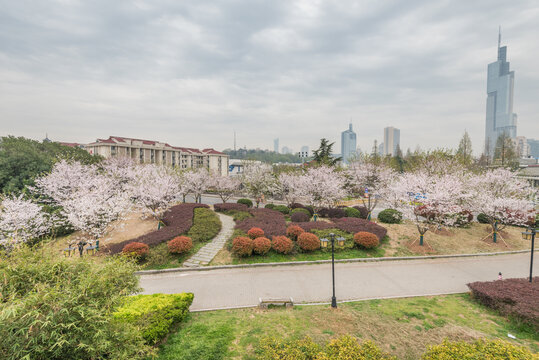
91	199
224	186
370	180
503	198
258	179
322	187
153	188
430	199
195	182
21	221
290	186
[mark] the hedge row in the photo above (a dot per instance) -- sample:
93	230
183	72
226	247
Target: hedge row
513	297
354	225
230	206
272	222
349	348
178	220
314	225
155	314
206	225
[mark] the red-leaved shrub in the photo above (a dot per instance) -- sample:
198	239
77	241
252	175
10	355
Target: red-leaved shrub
354	225
308	241
255	232
282	244
180	244
299	217
230	206
261	245
513	297
242	246
271	221
178	220
366	239
315	225
136	249
293	231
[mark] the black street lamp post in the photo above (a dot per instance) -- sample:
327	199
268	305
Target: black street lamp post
333	298
530	235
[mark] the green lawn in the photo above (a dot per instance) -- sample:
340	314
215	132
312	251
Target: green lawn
403	327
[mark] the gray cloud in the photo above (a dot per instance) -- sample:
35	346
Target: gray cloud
190	73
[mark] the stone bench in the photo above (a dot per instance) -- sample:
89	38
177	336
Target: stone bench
265	303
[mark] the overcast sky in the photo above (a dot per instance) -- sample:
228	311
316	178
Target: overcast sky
191	72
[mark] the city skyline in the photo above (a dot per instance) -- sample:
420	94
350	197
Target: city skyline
190	73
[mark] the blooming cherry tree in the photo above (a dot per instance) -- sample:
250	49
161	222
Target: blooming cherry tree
21	220
91	199
195	182
290	186
153	188
322	187
503	198
224	186
258	179
370	180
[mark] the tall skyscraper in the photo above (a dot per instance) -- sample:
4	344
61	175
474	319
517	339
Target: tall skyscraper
348	144
500	117
276	145
392	139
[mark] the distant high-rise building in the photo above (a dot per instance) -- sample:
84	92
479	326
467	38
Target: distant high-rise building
305	151
276	145
534	147
522	146
286	150
381	149
500	117
348	144
392	140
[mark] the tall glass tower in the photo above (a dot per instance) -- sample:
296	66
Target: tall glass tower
348	144
500	117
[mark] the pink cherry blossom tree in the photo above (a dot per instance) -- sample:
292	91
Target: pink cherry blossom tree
503	198
153	188
258	179
195	182
290	186
21	221
224	186
322	187
91	199
371	181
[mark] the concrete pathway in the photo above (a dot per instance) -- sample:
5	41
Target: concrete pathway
241	287
208	251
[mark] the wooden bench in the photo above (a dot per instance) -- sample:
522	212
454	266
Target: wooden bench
265	303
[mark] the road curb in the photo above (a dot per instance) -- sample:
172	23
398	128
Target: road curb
314	262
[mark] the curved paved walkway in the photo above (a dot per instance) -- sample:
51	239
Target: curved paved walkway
241	287
208	251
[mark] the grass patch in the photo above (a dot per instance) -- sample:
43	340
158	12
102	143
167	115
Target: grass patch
399	326
206	225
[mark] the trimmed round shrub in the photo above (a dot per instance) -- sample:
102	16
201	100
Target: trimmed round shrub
300	217
480	349
246	202
301	210
351	212
282	244
308	242
390	216
261	245
336	213
242	246
282	209
293	231
136	249
180	245
300	206
323	212
482	218
296	206
255	232
269	206
366	239
363	211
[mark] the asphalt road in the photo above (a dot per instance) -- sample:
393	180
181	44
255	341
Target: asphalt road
232	288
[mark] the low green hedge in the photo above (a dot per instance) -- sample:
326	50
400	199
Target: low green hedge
269	206
206	225
351	212
482	218
301	210
390	216
282	208
247	202
481	349
154	314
